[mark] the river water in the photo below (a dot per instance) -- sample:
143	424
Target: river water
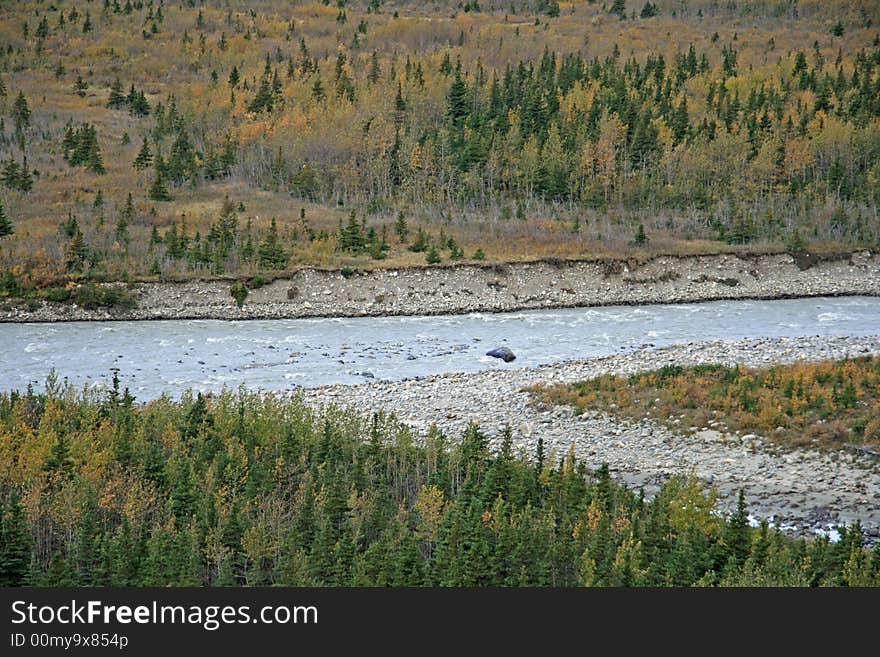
153	357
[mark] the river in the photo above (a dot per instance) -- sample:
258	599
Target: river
153	357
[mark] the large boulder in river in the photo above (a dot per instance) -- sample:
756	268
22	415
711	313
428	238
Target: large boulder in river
503	353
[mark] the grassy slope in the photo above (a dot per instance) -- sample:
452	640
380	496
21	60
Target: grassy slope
162	65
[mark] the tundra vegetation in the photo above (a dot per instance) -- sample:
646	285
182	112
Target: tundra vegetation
827	405
142	139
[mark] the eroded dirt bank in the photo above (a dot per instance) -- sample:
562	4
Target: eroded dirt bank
490	288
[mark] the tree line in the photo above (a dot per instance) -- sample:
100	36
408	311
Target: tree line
254	489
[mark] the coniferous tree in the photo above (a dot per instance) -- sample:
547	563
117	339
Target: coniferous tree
271	252
158	189
680	122
318	88
399	107
351	237
649	10
127	213
277	96
10	174
77	252
457	100
247	250
401	228
6	226
737	535
25	177
181	164
117	98
81	148
344	84
432	257
618	8
375	72
80	87
21	113
394	170
93	160
138	105
264	101
640	239
144	157
15	542
122	236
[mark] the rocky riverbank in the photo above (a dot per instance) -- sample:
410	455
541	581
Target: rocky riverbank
805	491
489	288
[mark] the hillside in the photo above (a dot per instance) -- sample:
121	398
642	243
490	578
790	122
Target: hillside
148	140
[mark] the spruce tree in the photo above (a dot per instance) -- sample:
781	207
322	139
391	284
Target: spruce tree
351	237
432	257
457	100
271	252
265	98
736	535
181	163
93	161
680	122
401	228
644	142
394	173
25	177
139	105
15	542
640	239
80	87
117	98
247	249
318	88
10	174
158	189
144	157
375	72
344	85
6	227
122	236
77	252
649	10
127	212
21	113
399	107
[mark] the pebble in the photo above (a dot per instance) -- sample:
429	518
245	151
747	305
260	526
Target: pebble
644	453
487	288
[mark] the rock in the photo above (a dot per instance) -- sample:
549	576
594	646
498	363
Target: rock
503	353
